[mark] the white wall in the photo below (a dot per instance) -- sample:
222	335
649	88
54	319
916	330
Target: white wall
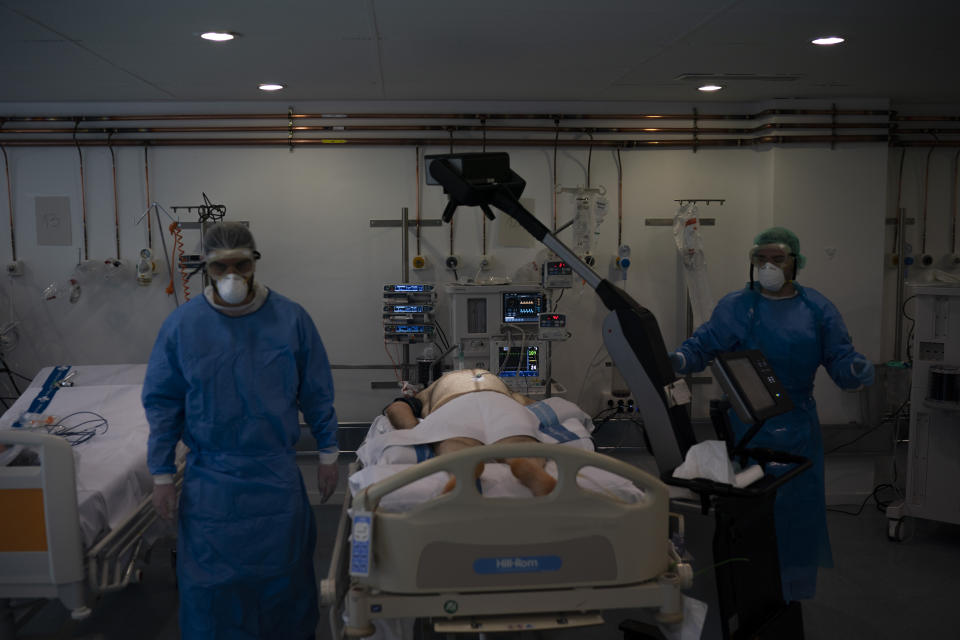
310	212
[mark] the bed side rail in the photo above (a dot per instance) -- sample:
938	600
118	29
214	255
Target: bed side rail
42	551
461	464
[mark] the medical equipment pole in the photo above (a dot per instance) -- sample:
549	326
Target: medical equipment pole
404	226
630	332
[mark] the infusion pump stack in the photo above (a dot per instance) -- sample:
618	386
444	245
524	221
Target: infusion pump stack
505	329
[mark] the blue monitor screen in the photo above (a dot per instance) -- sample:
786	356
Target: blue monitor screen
522	306
519	361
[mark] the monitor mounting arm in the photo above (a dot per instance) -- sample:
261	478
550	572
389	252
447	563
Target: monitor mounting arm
630	332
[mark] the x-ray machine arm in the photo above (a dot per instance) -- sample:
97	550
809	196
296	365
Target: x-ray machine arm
630	332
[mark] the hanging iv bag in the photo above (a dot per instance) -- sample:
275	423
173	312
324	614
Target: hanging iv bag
686	233
583	225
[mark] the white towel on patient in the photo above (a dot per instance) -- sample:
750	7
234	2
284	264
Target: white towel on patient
485	416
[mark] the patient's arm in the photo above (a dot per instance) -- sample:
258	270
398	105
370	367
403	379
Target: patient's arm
400	414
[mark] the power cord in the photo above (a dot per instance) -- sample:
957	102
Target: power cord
881	504
77	434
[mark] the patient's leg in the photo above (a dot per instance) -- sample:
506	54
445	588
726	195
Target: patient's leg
456	444
530	471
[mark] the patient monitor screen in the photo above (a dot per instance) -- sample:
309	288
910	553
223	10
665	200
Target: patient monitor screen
519	361
522	306
753	389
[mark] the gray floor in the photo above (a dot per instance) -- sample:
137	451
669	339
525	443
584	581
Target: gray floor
878	589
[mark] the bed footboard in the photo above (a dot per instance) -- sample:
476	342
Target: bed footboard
41	554
570	538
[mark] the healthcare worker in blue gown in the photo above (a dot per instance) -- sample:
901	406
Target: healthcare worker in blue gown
228	375
798	330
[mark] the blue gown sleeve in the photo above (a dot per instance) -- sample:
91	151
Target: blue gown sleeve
163	397
838	353
724	331
316	386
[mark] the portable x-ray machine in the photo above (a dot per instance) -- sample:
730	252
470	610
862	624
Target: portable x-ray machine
750	605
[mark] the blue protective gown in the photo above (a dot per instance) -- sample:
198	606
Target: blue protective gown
796	335
231	388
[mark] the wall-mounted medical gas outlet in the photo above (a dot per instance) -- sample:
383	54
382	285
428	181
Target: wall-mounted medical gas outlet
622	260
486	262
419	262
15	268
145	267
452	262
590	259
925	260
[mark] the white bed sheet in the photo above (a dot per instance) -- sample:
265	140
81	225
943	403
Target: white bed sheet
112	474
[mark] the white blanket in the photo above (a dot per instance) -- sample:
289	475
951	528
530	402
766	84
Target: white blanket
485	416
488	417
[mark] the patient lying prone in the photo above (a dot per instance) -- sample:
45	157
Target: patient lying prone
496	416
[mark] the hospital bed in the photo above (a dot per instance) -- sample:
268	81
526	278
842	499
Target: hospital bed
74	523
502	559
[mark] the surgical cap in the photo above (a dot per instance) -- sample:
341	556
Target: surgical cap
224	237
782	235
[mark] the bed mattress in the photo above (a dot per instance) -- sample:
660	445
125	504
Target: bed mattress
111	468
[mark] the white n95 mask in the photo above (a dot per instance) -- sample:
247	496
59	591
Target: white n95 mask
233	288
771	277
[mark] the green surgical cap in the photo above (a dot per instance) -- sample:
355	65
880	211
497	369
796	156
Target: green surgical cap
782	235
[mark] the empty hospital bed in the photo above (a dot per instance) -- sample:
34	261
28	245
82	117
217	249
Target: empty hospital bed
487	556
74	521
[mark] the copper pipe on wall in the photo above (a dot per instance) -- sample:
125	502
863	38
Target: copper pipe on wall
458	116
13	236
417	151
500	142
116	199
619	199
83	207
953	204
770	126
926	193
146	173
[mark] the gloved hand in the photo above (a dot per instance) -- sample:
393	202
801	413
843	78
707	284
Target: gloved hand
327	476
165	500
678	361
863	370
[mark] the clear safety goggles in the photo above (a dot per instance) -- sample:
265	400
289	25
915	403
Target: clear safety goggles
776	254
220	263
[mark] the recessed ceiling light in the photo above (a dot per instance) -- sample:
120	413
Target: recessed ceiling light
827	40
271	86
710	87
218	36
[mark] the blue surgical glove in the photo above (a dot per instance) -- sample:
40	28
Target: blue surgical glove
678	361
863	370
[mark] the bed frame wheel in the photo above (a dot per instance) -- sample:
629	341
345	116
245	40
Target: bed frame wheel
80	613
